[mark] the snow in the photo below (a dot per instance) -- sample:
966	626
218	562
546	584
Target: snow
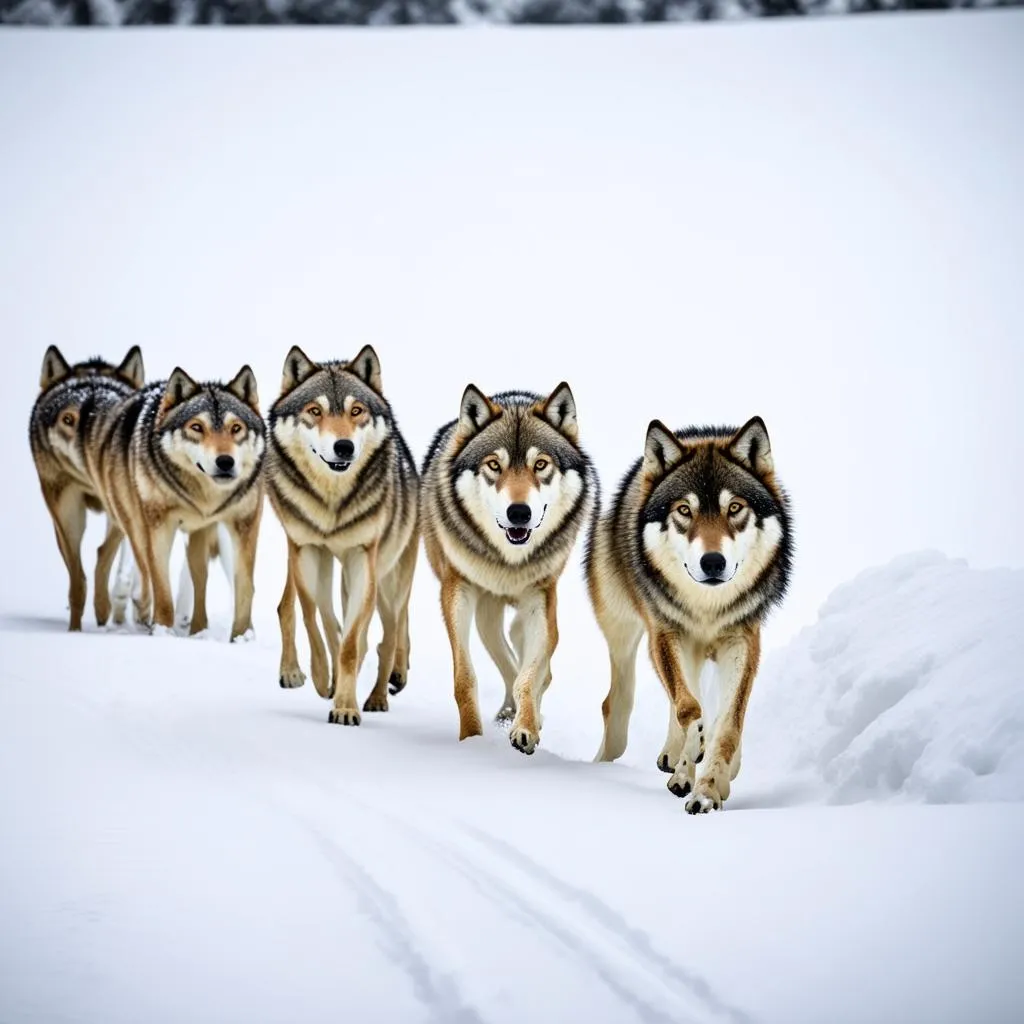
832	243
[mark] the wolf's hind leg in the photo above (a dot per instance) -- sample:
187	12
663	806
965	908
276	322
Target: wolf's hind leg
623	636
490	624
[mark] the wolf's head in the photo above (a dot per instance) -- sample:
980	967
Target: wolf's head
66	390
518	470
212	431
331	416
714	518
56	368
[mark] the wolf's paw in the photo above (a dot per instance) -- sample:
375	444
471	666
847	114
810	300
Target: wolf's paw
158	630
522	739
344	716
705	798
505	714
375	703
246	636
665	762
291	678
396	683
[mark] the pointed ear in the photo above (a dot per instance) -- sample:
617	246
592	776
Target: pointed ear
244	387
366	366
475	412
55	368
560	411
131	369
180	386
297	368
661	449
752	448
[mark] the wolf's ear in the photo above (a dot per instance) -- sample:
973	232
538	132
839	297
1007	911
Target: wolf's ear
475	412
244	387
180	386
297	368
366	366
560	411
55	368
752	448
131	369
661	449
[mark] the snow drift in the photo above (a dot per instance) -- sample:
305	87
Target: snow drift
907	686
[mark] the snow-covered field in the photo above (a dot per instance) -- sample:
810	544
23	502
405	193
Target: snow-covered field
821	223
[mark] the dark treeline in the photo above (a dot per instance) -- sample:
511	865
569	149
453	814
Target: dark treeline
418	12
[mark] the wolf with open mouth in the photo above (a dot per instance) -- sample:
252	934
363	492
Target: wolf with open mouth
506	490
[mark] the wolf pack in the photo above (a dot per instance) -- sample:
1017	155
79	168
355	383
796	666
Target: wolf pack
692	552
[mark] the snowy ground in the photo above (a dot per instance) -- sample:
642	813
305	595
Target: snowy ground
833	243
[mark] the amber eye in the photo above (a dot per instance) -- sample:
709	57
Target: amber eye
684	510
236	429
357	410
735	508
493	465
314	411
197	427
68	419
540	465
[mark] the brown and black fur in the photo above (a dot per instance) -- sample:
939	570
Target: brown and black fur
361	511
70	398
152	459
481	570
695	494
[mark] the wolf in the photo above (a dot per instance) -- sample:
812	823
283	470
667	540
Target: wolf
180	454
70	398
694	551
343	482
506	491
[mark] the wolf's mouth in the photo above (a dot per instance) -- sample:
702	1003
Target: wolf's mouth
712	581
220	476
338	467
517	534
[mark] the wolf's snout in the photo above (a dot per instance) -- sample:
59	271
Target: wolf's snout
712	564
225	463
519	514
344	448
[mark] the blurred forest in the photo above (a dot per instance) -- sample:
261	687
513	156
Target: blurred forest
409	12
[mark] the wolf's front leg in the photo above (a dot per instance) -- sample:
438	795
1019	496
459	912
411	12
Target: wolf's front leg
105	555
159	542
359	568
537	621
670	662
304	569
244	534
458	605
738	656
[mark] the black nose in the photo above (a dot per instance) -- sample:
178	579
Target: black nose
344	449
225	463
712	564
519	514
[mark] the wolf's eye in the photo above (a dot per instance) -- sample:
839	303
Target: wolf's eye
493	465
735	508
68	419
196	427
540	465
684	510
357	410
314	411
236	429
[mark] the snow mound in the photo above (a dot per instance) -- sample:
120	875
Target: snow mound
908	686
